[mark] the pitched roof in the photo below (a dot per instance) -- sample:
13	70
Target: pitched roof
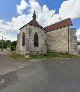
33	22
64	23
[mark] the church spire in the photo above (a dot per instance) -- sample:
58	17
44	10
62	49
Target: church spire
34	15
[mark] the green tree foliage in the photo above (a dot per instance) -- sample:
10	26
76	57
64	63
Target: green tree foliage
8	44
13	45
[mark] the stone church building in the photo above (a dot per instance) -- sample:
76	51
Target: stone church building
58	37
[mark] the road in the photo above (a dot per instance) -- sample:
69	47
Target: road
7	64
58	75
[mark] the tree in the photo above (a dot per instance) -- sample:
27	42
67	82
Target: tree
13	45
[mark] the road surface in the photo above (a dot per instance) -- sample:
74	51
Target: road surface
58	75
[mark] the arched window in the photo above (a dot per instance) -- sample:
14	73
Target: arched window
36	44
23	39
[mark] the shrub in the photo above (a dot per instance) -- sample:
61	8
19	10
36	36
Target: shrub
12	48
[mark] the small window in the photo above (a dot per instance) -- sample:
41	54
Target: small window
36	44
23	39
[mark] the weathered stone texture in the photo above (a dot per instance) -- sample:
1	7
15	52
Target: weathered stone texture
73	48
41	39
78	49
57	40
60	40
18	44
29	46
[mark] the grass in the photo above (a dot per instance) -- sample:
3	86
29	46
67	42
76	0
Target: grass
17	56
49	55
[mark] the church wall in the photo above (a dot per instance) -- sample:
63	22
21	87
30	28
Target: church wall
78	49
18	44
57	40
22	48
73	42
41	39
29	44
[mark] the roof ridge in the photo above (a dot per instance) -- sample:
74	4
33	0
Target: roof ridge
63	23
58	22
33	22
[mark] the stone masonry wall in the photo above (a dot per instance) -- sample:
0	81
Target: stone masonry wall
22	48
57	40
73	42
29	31
41	38
78	49
18	44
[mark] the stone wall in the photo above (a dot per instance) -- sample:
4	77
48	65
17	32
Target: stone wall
57	40
29	31
78	49
18	44
41	39
73	48
63	40
22	48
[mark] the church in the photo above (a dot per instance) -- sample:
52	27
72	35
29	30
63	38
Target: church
58	37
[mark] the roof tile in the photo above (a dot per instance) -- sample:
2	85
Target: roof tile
64	23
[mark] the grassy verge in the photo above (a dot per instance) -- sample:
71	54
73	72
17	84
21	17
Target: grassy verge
49	55
17	56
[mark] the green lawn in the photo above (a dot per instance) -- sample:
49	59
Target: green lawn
53	55
49	55
17	56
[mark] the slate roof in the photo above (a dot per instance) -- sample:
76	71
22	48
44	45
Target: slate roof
64	23
33	22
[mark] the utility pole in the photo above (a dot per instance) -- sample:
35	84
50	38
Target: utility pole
2	43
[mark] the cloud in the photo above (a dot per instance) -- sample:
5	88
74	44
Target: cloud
20	8
45	16
70	8
78	34
20	21
6	30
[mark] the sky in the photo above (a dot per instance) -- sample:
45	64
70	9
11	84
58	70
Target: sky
16	13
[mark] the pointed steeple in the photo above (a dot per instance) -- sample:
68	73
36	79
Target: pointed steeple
34	15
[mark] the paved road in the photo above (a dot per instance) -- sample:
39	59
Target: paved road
58	75
7	64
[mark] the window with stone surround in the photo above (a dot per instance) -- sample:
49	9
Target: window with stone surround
36	43
23	39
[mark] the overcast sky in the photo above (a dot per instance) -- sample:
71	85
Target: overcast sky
16	13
